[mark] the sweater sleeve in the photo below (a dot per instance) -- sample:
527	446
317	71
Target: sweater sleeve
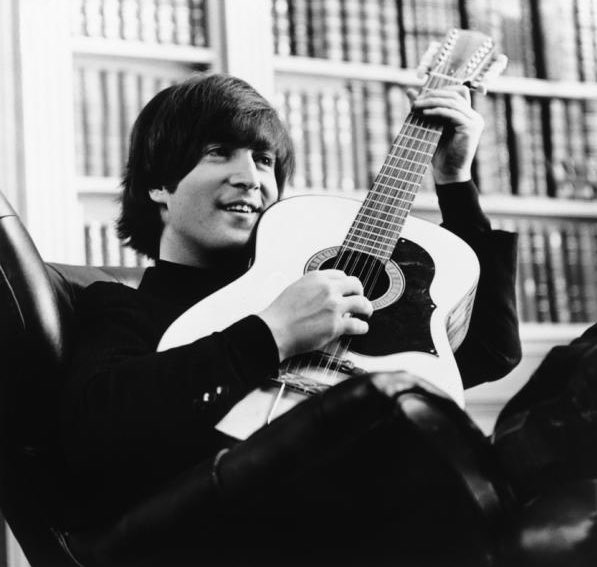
492	347
131	411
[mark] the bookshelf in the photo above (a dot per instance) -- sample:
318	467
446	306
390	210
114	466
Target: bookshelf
337	70
73	73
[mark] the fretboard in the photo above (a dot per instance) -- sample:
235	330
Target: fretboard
378	224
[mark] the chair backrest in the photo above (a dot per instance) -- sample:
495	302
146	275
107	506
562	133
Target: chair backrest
37	312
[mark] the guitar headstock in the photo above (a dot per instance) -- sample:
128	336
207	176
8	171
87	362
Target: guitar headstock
464	57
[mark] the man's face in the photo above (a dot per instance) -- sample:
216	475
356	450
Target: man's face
212	212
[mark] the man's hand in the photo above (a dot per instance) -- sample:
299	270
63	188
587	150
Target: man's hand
316	310
462	130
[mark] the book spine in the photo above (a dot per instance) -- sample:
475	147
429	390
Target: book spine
112	139
94	119
556	25
295	121
526	276
539	162
352	21
376	128
521	146
281	27
111	19
148	21
130	20
390	33
557	274
182	22
572	262
165	21
329	132
198	23
345	142
587	235
541	276
373	33
314	147
93	17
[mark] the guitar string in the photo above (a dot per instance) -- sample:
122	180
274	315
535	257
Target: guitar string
392	193
391	197
385	201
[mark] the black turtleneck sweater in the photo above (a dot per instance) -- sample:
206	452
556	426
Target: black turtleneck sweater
133	417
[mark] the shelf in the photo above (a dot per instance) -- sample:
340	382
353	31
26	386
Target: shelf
142	50
408	77
541	207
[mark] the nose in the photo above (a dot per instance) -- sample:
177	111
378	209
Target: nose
244	173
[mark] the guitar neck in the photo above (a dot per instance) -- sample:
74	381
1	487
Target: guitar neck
377	226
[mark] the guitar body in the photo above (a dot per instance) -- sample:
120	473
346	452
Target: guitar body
422	304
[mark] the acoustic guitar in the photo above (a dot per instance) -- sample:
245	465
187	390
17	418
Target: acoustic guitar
420	277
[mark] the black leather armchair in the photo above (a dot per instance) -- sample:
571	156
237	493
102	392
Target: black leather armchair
466	491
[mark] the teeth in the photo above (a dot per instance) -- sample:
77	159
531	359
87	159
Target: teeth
240	208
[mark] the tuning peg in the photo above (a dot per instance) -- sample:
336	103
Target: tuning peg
427	59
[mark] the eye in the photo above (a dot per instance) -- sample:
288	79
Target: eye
217	151
265	159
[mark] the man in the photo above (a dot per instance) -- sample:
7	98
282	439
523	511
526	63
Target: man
207	157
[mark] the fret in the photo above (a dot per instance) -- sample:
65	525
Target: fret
392	228
411	151
396	188
401	169
368	249
391	213
403	158
415	138
376	239
422	128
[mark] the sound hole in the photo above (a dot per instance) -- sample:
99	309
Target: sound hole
383	283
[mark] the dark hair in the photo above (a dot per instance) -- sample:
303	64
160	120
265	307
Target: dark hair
170	135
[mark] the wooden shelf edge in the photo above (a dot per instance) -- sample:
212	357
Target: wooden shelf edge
141	50
408	77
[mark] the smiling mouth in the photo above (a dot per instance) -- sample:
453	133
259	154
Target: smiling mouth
241	208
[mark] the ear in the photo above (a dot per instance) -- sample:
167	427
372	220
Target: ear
159	195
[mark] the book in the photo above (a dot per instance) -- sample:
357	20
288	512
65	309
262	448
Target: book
165	21
352	25
545	310
181	15
93	18
130	16
281	27
573	265
197	17
326	29
557	275
314	146
390	34
537	148
376	130
93	120
587	240
329	135
558	37
112	119
148	21
345	142
585	11
373	33
294	118
299	28
111	19
520	146
359	136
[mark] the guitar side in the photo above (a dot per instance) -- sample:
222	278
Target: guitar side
296	230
